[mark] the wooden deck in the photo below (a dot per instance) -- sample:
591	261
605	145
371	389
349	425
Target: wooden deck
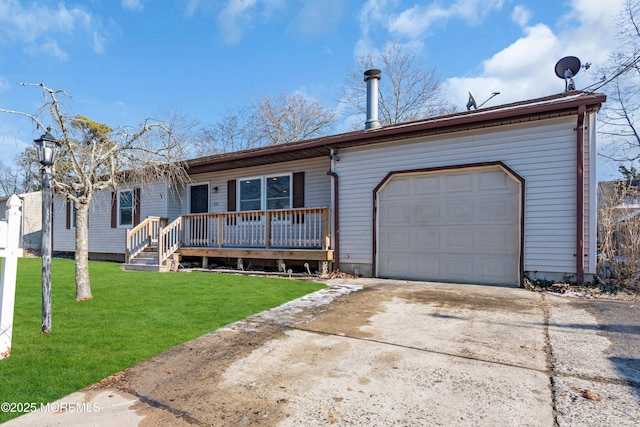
287	234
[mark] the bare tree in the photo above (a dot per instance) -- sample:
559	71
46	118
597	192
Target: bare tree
408	90
95	157
619	232
235	131
621	114
22	177
180	136
290	118
268	120
8	180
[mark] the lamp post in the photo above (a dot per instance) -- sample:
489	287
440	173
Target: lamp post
47	147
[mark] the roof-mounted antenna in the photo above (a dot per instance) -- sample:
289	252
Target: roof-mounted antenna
567	68
472	101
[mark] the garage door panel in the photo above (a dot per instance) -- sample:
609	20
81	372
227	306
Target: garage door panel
498	239
495	210
458	239
425	213
398	240
396	266
426	239
495	179
458	267
454	182
459	226
398	189
458	210
397	213
426	267
422	185
490	269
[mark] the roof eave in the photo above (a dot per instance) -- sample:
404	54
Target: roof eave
319	147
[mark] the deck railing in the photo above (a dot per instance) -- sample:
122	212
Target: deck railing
286	228
169	239
143	235
303	228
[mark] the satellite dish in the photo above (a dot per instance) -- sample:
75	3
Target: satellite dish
566	69
471	103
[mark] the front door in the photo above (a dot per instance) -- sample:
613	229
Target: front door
199	198
198	227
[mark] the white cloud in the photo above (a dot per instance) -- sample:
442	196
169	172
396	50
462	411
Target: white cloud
273	6
319	16
524	54
521	16
234	18
191	8
474	11
98	42
4	84
51	48
374	12
417	20
132	4
525	68
38	26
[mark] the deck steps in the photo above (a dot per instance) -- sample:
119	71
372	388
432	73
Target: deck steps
146	260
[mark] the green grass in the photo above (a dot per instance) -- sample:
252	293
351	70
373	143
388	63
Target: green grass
132	316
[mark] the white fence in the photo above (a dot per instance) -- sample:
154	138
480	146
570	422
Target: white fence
9	250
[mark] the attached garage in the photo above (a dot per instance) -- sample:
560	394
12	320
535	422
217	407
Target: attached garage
458	224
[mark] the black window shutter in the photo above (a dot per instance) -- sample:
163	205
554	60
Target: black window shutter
231	195
136	206
69	213
114	209
298	190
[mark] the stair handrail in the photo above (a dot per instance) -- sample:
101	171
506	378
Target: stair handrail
140	237
170	239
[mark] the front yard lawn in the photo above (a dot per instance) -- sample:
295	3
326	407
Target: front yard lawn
132	316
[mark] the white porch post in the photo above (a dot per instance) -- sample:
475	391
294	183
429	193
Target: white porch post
10	251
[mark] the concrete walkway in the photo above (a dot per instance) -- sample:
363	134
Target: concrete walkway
372	352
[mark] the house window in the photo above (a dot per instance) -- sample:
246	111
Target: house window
268	192
125	208
278	192
251	194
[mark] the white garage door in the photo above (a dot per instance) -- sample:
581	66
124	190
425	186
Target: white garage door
460	226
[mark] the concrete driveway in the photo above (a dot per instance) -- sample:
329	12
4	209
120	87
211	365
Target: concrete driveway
371	352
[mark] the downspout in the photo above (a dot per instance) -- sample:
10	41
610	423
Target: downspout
336	210
580	196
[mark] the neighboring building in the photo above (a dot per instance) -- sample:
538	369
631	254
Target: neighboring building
483	196
31	232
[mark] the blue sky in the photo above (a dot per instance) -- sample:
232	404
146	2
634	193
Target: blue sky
124	61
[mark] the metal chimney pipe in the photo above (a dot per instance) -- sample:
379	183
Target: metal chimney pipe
372	77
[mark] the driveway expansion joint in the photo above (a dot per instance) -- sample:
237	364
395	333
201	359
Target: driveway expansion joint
545	305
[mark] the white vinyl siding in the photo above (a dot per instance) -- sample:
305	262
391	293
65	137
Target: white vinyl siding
317	183
103	238
158	200
31	218
543	153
